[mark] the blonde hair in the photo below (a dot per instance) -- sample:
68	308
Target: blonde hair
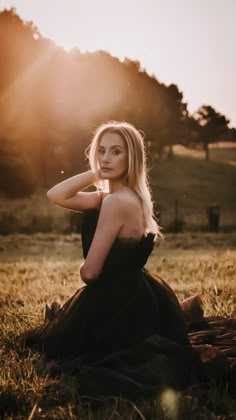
136	177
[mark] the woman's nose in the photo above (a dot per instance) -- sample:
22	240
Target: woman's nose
106	157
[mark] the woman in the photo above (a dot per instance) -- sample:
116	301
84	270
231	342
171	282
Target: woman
117	155
124	332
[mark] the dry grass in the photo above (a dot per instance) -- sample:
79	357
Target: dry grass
40	268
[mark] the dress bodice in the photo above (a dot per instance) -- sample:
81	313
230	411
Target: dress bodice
125	253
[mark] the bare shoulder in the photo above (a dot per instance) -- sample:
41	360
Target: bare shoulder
113	201
127	201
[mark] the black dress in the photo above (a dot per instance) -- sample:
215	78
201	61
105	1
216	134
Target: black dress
126	333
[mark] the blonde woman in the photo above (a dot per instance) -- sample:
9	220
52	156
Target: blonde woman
118	168
124	332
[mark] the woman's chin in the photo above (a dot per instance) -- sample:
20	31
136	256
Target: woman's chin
106	175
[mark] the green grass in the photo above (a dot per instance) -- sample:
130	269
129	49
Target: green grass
41	268
195	184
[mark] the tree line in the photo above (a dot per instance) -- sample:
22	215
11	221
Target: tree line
52	100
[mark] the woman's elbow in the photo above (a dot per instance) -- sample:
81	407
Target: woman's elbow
87	276
52	196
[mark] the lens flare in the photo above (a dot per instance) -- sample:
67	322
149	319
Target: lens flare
170	403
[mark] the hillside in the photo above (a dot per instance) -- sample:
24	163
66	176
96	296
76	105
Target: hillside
196	183
187	178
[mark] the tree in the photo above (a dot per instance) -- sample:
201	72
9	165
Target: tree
16	171
177	114
231	135
51	101
212	126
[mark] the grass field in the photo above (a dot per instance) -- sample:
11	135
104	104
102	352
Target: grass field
44	267
195	184
40	268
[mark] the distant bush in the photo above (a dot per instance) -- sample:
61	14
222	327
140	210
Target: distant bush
10	223
39	224
75	222
177	225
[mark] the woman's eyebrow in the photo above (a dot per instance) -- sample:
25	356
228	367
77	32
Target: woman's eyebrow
116	145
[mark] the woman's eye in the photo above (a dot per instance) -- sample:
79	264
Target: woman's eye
114	152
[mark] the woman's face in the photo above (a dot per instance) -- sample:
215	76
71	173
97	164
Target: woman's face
112	156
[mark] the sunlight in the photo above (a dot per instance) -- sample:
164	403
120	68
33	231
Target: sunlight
11	98
170	403
141	31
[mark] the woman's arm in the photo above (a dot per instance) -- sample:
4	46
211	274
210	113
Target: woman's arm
68	193
111	219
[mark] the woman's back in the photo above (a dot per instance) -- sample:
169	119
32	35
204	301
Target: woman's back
133	218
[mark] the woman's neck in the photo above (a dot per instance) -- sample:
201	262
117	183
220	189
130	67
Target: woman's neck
116	185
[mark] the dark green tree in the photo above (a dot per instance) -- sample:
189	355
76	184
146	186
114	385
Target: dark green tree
212	126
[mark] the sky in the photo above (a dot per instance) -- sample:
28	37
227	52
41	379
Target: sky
191	43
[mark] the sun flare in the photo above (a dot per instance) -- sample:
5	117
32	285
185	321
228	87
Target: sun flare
146	31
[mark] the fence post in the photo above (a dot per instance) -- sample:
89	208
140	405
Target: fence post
213	214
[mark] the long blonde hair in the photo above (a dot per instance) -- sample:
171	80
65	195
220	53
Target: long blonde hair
136	177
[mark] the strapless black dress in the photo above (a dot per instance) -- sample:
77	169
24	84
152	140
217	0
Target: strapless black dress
126	334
